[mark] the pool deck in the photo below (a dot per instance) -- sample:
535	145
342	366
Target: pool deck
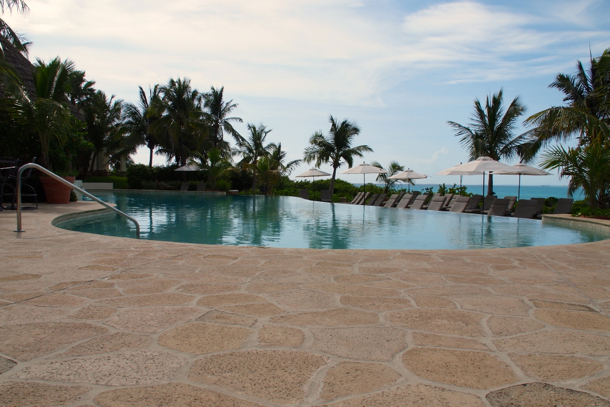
88	320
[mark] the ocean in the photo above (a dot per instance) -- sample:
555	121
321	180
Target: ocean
527	191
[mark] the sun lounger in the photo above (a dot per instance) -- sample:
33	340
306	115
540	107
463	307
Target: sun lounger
498	207
418	203
473	204
436	203
184	186
380	199
448	198
404	201
363	198
511	204
356	198
564	206
325	195
391	201
304	193
372	200
459	204
526	209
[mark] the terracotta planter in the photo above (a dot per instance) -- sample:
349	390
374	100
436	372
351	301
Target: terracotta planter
56	192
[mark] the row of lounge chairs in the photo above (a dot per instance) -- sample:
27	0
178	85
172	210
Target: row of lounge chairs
491	205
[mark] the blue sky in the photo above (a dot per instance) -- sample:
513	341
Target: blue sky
398	69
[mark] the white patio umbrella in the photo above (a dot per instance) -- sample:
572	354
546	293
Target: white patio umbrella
188	167
479	166
522	169
407	175
364	169
314	172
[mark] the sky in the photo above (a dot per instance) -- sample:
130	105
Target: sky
398	69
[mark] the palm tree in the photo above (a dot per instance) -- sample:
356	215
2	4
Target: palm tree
217	114
587	114
491	131
138	121
105	130
181	119
335	148
277	156
393	168
588	168
253	148
216	164
17	40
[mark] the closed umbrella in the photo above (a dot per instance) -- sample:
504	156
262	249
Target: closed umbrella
479	166
408	175
364	169
522	169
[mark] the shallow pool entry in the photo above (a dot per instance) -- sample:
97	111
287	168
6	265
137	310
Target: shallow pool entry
292	222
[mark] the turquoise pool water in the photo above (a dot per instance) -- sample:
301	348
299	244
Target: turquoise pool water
297	223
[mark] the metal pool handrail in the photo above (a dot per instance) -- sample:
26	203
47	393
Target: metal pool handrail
71	185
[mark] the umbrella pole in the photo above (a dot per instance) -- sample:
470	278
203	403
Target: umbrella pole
519	188
364	182
483	184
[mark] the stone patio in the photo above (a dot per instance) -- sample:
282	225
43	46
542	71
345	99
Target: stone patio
88	320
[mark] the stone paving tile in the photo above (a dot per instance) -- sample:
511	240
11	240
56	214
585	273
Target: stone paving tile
278	376
158	323
168	395
543	395
19	394
349	378
417	395
367	343
200	338
477	370
556	368
118	369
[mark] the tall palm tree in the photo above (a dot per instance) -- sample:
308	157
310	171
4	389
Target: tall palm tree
181	119
278	156
335	148
491	131
588	168
217	114
105	130
138	121
393	168
253	148
587	113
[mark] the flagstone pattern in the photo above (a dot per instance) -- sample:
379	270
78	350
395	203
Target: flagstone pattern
88	320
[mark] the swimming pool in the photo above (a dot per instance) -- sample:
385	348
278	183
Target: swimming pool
291	222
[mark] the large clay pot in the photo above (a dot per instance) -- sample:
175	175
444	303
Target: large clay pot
56	192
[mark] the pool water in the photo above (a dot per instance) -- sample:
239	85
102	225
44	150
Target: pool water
291	222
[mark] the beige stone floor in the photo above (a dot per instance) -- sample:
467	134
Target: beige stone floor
89	320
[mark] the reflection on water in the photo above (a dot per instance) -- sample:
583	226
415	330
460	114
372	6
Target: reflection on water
294	222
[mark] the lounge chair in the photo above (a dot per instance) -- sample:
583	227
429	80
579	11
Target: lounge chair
498	207
363	198
303	193
564	206
473	204
325	195
511	204
372	200
184	186
201	187
391	201
448	198
9	184
380	199
404	201
540	205
526	209
436	203
459	204
356	198
418	203
487	202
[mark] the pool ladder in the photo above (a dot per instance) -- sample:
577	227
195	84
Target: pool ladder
71	185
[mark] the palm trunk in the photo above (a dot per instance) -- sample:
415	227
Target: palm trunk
150	160
332	181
